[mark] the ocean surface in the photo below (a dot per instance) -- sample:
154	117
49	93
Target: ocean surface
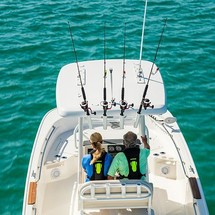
35	43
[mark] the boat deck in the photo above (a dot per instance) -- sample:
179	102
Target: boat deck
61	179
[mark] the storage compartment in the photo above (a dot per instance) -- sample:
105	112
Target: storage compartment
164	166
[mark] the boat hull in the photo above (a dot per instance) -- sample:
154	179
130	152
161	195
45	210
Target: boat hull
55	182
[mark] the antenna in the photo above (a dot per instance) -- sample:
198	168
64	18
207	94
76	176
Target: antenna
142	38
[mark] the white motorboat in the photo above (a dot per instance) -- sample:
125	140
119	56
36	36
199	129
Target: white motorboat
55	182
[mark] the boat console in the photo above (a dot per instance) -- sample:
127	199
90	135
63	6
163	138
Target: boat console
111	146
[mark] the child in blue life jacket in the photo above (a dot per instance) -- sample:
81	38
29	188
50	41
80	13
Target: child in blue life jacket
97	163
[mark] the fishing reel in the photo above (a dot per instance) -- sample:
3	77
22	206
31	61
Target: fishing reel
108	105
124	105
84	106
147	104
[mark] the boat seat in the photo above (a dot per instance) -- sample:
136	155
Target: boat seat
115	194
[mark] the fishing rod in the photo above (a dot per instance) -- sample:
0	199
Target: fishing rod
105	103
84	104
146	102
123	104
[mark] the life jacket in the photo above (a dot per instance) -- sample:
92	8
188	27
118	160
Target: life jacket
98	168
132	155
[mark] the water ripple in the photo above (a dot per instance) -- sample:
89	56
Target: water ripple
35	44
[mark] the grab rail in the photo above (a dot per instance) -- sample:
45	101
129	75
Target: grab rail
129	193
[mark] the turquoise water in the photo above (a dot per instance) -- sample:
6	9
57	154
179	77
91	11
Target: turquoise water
35	43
